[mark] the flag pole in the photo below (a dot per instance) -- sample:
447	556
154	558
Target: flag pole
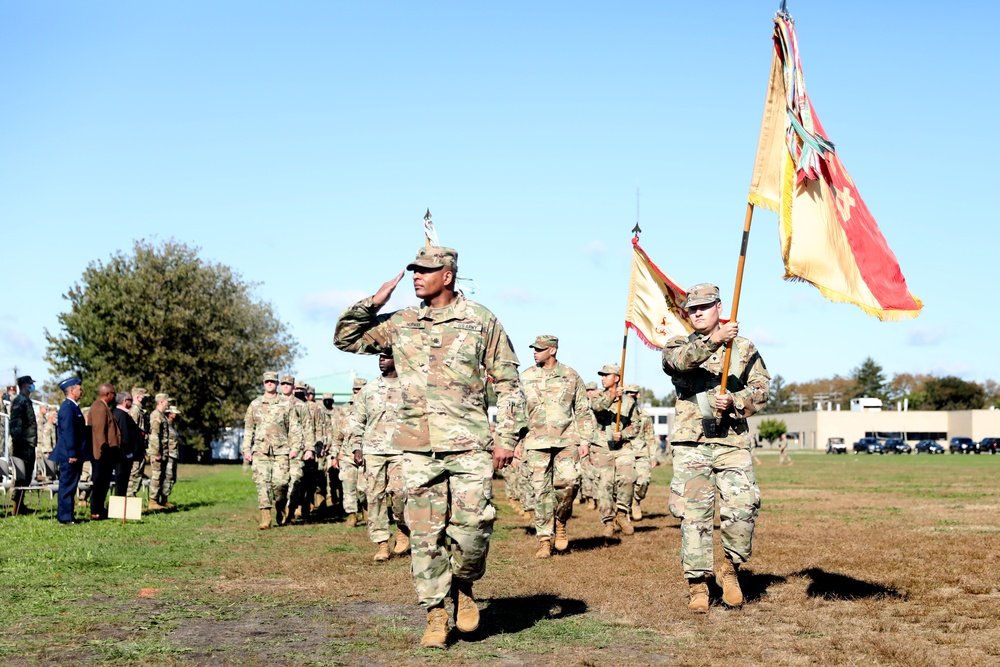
723	380
621	376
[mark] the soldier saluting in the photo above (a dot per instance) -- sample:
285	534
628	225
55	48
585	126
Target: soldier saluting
444	351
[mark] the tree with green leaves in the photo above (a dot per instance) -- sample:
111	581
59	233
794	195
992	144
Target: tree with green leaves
952	393
165	319
869	380
779	400
771	429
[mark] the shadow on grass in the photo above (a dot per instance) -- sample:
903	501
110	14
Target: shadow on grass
514	614
591	543
832	586
754	586
648	529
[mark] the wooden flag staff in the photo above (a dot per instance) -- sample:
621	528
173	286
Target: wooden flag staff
723	380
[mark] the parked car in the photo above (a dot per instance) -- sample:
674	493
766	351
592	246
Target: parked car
991	445
836	446
868	446
896	446
929	447
963	446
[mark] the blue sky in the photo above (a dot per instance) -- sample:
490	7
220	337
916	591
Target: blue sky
300	143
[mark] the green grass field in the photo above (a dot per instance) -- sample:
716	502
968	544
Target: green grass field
858	560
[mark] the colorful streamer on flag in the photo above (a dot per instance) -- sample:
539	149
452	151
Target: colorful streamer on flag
654	309
828	236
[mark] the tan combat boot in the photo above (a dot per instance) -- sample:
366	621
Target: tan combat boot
698	592
730	582
265	520
352	520
593	503
636	511
561	543
544	549
516	505
298	512
625	523
382	554
609	529
318	500
436	634
153	505
466	611
402	544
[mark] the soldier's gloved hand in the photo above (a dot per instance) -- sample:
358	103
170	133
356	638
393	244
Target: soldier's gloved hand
502	458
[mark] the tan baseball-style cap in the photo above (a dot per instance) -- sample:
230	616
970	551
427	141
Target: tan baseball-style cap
360	383
172	410
545	342
139	391
164	397
701	294
591	386
328	396
301	385
288	379
270	375
610	369
632	388
435	257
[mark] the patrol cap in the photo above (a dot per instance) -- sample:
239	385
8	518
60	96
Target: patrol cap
701	294
435	257
610	369
591	386
172	410
69	382
385	352
310	389
139	391
301	385
271	375
328	396
24	379
359	383
288	379
545	342
632	388
163	397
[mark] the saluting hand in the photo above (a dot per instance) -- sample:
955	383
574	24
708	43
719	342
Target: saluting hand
385	291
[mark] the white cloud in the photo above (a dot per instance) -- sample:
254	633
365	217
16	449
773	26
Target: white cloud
945	368
925	336
17	343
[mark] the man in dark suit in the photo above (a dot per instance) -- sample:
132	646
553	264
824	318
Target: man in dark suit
106	441
72	439
131	438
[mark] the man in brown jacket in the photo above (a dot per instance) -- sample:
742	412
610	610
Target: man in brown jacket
106	439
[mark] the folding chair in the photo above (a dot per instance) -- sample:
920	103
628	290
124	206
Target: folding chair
26	483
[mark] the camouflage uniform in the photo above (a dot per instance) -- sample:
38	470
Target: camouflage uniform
644	447
702	464
142	420
272	436
614	461
159	442
46	439
315	469
173	454
371	428
443	357
351	474
559	420
307	428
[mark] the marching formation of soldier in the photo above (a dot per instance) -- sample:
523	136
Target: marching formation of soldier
416	447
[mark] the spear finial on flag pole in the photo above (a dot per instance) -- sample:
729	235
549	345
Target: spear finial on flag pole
430	234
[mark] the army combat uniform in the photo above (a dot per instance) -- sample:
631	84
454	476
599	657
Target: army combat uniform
159	442
443	357
351	473
296	467
371	428
559	421
141	419
172	456
644	447
720	459
271	436
614	460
